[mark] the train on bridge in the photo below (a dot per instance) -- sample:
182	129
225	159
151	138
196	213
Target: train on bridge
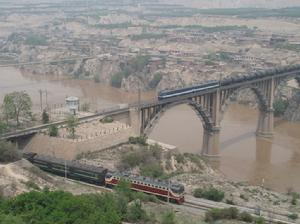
167	94
103	177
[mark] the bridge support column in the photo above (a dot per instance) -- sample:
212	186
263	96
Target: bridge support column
265	124
135	120
211	143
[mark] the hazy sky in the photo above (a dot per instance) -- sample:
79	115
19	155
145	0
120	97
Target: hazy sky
237	3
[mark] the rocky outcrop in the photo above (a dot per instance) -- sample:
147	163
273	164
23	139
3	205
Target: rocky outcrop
293	111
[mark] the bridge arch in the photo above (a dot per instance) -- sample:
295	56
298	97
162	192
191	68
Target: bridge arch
260	96
202	114
280	82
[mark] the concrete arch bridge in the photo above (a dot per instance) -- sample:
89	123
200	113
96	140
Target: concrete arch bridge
211	104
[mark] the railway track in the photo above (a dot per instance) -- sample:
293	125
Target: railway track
269	216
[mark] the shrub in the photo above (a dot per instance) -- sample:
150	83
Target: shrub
179	158
141	140
36	40
45	117
53	130
245	217
280	107
168	218
152	170
135	212
155	80
133	159
218	214
31	185
9	152
97	78
85	107
107	120
116	80
212	194
293	216
260	220
3	127
230	202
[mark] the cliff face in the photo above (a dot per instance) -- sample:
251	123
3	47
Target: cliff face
293	111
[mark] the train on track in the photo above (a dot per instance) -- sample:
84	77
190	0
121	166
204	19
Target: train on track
103	177
167	94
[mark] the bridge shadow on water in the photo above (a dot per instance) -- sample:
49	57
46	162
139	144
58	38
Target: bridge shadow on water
236	139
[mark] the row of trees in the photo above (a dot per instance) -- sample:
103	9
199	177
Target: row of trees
61	207
18	104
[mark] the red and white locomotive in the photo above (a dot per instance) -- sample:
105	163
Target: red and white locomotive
162	189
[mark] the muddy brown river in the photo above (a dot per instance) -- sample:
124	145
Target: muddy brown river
273	163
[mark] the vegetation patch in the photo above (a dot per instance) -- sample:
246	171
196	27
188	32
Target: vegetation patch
53	130
36	40
147	158
140	140
9	152
211	193
280	107
107	120
144	36
231	214
132	67
155	80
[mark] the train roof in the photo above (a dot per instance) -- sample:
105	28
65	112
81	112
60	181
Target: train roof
188	87
148	180
70	163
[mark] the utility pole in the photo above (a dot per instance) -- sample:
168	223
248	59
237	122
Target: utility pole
168	191
46	93
41	100
87	11
65	170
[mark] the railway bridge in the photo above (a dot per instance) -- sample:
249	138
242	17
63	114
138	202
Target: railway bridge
211	104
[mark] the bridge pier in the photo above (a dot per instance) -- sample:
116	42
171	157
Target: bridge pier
135	121
265	124
211	143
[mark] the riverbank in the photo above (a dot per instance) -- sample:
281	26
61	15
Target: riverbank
192	171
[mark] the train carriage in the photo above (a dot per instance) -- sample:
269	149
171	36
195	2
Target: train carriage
70	169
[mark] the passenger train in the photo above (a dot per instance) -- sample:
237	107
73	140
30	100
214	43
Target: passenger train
167	94
102	177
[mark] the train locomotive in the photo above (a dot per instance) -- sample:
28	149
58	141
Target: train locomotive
162	189
102	177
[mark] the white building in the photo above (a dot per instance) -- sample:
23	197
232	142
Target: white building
72	104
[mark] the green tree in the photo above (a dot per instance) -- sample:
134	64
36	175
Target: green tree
45	117
8	152
17	104
155	80
3	127
5	219
116	80
96	78
72	123
53	130
280	107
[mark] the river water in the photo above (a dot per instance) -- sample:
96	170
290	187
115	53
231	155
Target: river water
274	163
